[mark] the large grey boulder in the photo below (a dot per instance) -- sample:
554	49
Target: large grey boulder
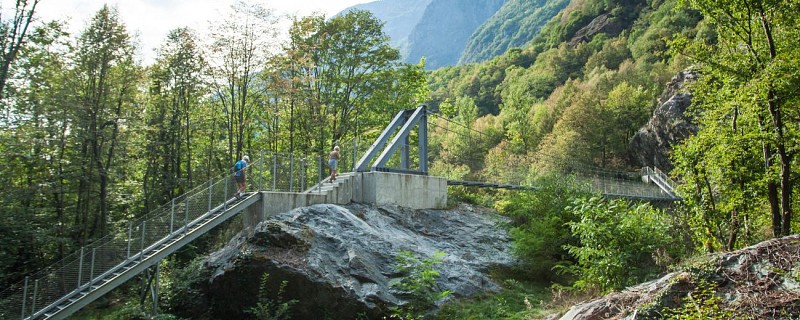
339	261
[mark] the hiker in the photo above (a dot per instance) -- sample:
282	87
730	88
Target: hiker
333	162
240	175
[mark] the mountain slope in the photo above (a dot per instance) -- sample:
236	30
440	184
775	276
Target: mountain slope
514	25
444	29
400	18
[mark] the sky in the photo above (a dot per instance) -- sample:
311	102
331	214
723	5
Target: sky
153	19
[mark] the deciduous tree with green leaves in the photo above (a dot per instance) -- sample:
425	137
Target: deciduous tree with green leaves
175	91
746	103
13	34
105	78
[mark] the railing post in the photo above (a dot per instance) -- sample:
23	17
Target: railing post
130	228
260	170
80	268
35	295
186	216
91	269
355	150
303	176
141	253
24	298
319	185
291	172
227	186
210	188
274	170
172	217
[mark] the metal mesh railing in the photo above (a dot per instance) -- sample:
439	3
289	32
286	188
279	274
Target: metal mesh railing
519	171
80	271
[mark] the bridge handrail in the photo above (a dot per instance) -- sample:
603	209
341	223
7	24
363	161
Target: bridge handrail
661	179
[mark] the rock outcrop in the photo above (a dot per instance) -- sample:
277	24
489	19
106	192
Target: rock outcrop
339	261
669	125
758	282
604	23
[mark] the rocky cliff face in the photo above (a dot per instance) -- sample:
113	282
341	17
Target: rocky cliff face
759	282
339	261
669	125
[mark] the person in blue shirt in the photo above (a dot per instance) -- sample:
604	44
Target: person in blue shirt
240	175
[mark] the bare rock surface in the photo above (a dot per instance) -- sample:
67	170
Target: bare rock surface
669	125
339	261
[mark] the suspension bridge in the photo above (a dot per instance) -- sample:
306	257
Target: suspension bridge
386	173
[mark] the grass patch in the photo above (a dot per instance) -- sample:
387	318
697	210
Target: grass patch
517	300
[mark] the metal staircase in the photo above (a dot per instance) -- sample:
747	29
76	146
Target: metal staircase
136	264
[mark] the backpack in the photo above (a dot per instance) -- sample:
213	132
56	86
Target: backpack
237	168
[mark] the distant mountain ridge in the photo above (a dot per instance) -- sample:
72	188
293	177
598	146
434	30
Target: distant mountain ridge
445	28
400	18
514	25
451	32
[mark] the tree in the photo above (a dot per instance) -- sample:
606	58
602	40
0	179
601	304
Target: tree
176	87
34	144
12	37
747	86
344	78
241	46
105	78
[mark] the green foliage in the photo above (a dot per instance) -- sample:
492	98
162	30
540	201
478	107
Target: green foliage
700	304
540	219
418	283
658	27
619	244
517	22
268	308
516	300
183	288
737	169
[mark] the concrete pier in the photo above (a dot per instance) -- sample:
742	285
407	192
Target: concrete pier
379	188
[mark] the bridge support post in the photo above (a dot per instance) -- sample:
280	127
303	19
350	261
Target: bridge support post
150	281
155	288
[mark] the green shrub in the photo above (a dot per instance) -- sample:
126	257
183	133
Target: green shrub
619	244
418	283
540	220
268	308
183	288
